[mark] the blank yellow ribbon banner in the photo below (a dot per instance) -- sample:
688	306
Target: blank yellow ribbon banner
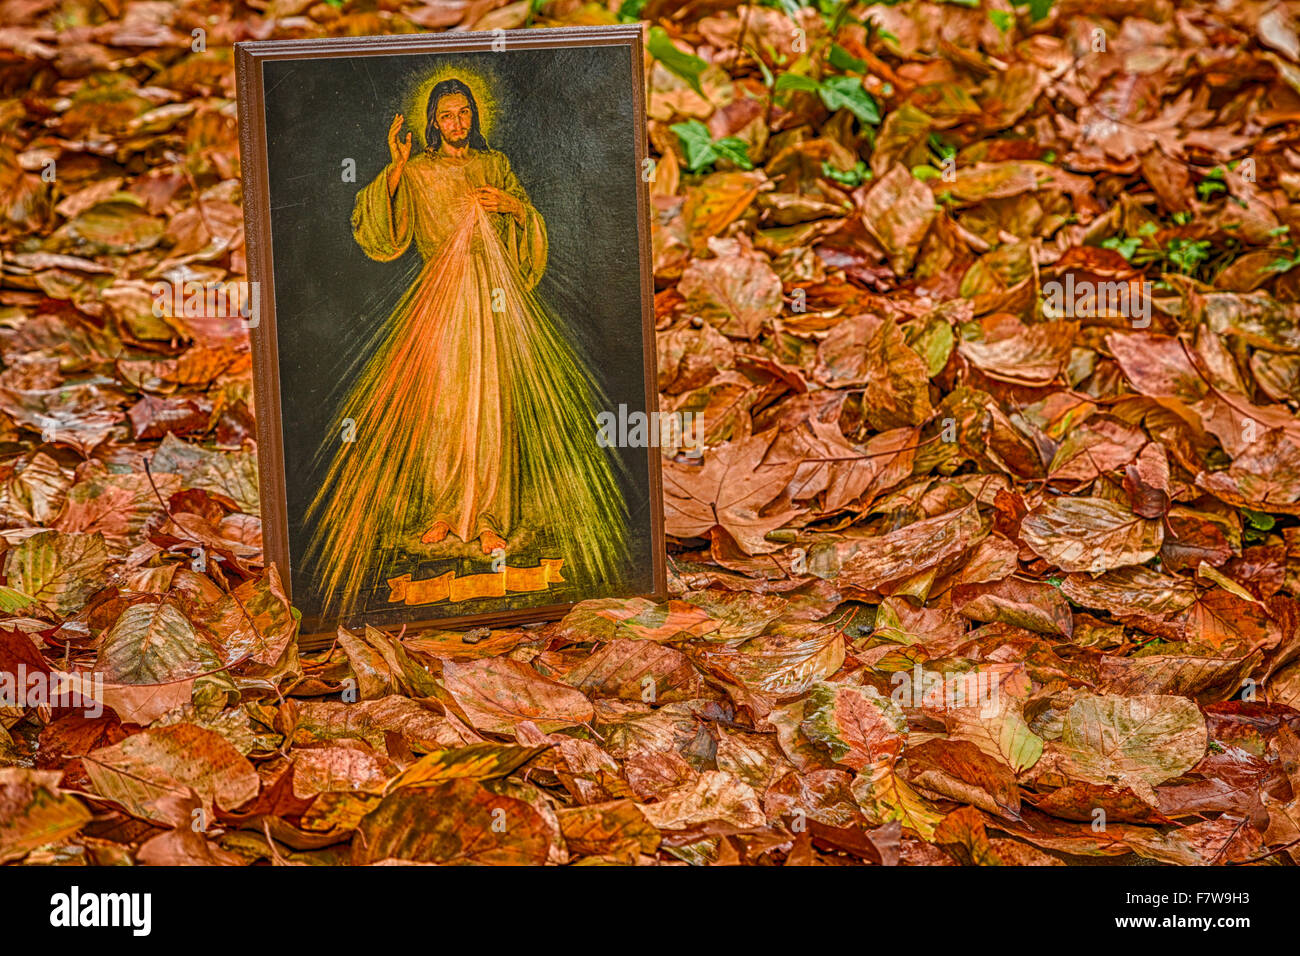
449	587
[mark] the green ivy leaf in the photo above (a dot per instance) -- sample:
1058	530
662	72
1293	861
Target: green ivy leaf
793	81
1038	9
1126	247
697	143
842	59
846	92
735	149
702	150
685	65
630	10
852	178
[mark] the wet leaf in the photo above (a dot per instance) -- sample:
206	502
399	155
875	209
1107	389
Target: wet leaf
856	725
58	570
154	643
714	797
885	797
34	812
1090	534
148	770
497	694
455	822
1133	741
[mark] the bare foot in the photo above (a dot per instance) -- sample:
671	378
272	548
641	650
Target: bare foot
435	534
489	541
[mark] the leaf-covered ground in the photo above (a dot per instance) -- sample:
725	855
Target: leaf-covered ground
967	569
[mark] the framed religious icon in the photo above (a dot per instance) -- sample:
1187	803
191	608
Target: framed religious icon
448	240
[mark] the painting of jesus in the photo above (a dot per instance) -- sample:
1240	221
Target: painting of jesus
454	467
483	408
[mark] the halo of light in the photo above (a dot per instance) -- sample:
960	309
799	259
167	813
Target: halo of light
480	84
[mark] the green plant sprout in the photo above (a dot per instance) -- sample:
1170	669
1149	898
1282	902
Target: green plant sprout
852	178
702	150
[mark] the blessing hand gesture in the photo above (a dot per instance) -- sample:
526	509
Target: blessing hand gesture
398	150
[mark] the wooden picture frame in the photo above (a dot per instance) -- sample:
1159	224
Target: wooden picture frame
283	77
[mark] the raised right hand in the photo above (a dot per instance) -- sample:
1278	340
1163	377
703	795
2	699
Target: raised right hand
398	150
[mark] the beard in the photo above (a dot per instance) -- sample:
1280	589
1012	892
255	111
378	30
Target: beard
458	143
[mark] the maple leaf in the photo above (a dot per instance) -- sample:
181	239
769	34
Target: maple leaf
730	492
736	291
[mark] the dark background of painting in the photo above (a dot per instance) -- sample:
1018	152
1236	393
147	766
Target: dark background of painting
566	123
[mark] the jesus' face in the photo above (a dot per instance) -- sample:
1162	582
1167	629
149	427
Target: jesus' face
454	119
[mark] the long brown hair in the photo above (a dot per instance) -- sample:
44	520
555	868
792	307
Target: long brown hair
433	135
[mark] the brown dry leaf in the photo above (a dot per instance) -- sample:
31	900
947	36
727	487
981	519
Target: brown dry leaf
58	570
897	211
1265	477
608	829
784	663
961	771
232	474
964	830
730	491
1095	448
454	822
184	847
374	720
1148	600
1205	679
146	770
1090	534
714	797
477	761
34	812
154	643
637	670
1136	742
886	798
719	200
1033	605
986	707
898	381
912	549
1023	354
856	725
138	703
1284	814
1080	801
1147	482
339	766
1157	365
497	694
383	667
114	505
736	291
